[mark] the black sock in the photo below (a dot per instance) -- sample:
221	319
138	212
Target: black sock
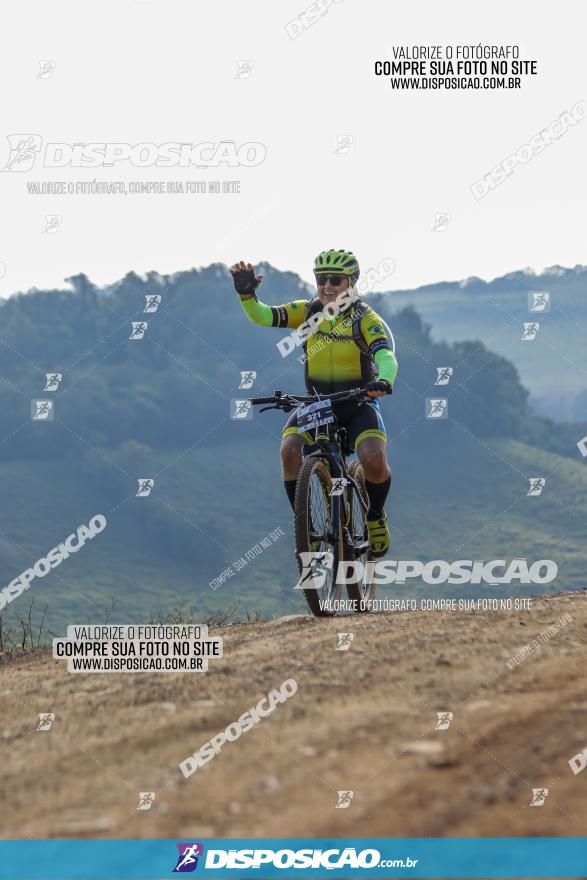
377	493
290	488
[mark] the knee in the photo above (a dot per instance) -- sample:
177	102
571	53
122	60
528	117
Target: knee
378	472
374	461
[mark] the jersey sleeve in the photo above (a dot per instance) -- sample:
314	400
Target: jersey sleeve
288	315
386	365
373	332
375	335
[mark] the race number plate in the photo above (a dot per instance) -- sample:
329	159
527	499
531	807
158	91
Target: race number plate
315	415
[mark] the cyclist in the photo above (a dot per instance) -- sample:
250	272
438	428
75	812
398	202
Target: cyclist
349	349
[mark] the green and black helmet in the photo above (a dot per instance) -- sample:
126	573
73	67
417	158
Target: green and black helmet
342	262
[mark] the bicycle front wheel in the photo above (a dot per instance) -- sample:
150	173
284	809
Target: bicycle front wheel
361	591
316	554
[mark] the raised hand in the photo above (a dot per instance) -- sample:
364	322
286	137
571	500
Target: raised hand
244	278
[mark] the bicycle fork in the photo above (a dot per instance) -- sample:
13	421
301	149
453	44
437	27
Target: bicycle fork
340	507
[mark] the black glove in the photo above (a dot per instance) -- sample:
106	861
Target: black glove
378	385
244	279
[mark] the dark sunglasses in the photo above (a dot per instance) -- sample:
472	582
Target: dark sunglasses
334	280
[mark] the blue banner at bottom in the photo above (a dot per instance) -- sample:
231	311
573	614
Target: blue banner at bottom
265	858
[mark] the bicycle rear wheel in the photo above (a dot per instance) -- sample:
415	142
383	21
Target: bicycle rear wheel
363	590
313	513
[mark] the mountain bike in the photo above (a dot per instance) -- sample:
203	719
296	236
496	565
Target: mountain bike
331	503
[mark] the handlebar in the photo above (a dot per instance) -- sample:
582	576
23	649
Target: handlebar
288	401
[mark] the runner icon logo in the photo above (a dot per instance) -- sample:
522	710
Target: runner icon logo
342	144
139	328
441	222
244	68
444	374
53	380
46	69
530	331
145	487
315	567
539	302
436	408
241	409
187	859
152	302
344	799
338	484
146	799
539	795
52	224
23	151
42	410
247	378
536	485
444	719
46	719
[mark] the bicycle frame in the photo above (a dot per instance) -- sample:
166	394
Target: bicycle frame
325	446
330	448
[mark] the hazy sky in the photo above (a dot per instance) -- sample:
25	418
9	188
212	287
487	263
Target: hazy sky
148	71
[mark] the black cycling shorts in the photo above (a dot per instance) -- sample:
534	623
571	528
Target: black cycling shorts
359	421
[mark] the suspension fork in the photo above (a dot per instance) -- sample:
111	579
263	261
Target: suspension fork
321	448
337	502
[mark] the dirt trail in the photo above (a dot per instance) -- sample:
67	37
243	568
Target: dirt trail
363	720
